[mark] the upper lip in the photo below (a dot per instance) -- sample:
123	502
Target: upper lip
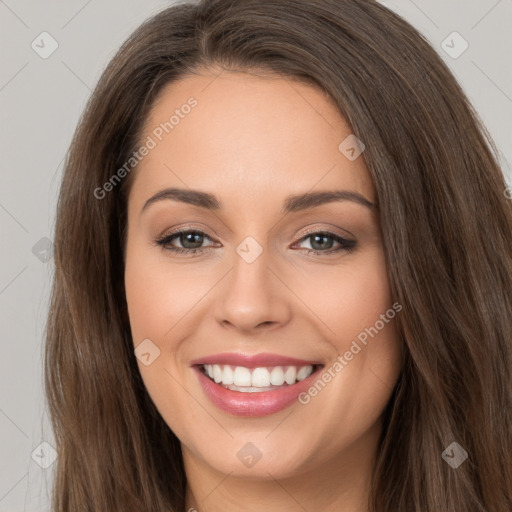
252	360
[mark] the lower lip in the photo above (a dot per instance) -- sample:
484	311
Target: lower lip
253	404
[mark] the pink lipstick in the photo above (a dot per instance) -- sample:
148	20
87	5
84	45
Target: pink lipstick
254	385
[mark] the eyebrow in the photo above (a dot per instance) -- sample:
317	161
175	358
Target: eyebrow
293	203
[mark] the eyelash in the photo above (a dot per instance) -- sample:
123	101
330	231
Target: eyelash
346	245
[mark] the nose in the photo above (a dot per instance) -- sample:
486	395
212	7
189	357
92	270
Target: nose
253	298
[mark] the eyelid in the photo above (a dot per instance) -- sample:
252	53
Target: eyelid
330	229
188	227
202	230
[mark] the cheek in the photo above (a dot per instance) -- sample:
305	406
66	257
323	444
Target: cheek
158	299
159	294
164	299
367	335
356	308
347	297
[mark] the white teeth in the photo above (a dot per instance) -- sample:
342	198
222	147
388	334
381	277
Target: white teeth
260	377
304	372
290	375
217	373
244	389
277	376
242	376
256	379
227	375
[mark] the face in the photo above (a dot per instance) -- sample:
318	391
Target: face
278	292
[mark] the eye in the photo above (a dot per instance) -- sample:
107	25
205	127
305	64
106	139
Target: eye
190	240
321	242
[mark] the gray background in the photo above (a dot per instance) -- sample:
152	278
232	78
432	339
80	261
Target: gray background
41	101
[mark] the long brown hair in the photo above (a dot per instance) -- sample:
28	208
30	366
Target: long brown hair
447	235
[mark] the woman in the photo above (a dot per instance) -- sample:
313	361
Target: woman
256	369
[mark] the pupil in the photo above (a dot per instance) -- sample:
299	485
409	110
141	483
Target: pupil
322	237
319	241
189	237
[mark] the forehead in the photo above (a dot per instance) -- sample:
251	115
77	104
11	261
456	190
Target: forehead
247	132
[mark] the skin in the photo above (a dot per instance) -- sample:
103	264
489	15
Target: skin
252	141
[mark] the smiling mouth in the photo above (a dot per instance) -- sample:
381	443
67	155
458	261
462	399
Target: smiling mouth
257	380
